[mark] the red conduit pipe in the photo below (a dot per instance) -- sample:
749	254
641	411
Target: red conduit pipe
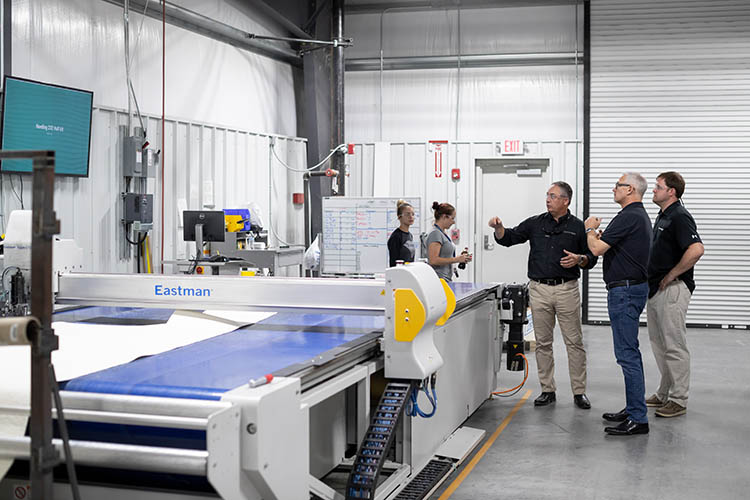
163	62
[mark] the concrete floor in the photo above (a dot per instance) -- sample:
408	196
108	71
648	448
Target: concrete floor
561	452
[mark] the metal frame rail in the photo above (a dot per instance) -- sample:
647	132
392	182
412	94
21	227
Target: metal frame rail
146	411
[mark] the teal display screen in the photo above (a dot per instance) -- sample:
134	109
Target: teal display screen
40	116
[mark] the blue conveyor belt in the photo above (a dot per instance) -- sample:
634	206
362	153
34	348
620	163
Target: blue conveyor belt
86	314
207	369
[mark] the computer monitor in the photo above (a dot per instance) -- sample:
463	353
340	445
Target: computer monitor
42	116
212	221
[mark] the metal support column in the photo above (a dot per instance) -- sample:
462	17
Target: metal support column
586	140
7	36
337	92
44	456
44	226
316	123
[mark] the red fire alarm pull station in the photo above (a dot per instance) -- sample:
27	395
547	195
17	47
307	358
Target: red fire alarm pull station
456	174
298	198
350	149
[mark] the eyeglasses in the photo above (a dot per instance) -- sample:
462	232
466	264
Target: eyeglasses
621	184
553	196
659	187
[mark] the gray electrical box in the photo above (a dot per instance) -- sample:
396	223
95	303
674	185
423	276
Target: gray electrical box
138	208
136	161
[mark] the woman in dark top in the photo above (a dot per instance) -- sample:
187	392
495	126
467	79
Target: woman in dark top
401	243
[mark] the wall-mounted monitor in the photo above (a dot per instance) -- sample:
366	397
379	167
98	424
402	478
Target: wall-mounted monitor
42	116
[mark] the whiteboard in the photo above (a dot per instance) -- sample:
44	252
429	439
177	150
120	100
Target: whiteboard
356	232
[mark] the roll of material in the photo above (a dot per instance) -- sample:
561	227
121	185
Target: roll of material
18	330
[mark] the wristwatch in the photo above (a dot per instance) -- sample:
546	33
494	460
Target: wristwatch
580	260
589	229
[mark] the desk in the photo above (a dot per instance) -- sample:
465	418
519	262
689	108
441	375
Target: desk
267	258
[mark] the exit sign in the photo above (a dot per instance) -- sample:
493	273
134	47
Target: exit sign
512	147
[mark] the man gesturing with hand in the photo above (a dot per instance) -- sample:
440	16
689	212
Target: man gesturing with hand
558	252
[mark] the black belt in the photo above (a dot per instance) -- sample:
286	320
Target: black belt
615	284
553	282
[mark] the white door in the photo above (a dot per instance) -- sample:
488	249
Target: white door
512	190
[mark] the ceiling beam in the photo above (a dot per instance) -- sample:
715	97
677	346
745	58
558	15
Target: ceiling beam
420	5
274	14
467	61
211	28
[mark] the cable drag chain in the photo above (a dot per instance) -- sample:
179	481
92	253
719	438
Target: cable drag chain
363	478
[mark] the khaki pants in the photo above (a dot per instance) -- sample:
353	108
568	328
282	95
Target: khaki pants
563	301
668	334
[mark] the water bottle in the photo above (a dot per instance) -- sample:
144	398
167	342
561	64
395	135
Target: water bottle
462	265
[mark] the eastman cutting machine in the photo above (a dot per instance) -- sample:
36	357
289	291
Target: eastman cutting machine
352	389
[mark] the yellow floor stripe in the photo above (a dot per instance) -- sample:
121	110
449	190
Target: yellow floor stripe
474	461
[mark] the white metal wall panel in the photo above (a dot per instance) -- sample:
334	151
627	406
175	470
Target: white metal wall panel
204	165
412	174
670	90
79	43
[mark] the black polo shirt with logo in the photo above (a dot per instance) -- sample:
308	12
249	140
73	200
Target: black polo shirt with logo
629	238
674	231
548	238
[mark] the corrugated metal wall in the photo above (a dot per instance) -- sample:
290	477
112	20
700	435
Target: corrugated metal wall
205	165
670	90
470	104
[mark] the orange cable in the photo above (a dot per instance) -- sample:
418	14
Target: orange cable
525	376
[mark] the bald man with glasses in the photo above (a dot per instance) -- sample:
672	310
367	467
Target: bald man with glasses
626	245
558	252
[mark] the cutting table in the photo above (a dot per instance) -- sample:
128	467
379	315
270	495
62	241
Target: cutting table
188	412
283	345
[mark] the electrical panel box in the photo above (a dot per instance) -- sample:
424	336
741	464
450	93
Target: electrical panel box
136	160
138	208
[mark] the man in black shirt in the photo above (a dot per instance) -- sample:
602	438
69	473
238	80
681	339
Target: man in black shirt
675	249
558	250
625	245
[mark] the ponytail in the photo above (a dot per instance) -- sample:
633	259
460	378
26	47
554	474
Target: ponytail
442	209
401	205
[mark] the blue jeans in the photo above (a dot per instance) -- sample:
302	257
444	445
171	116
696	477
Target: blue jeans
625	304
